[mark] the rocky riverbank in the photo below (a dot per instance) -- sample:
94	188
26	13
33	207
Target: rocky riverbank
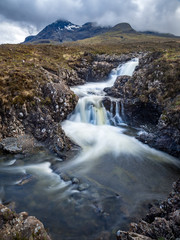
15	226
162	222
151	100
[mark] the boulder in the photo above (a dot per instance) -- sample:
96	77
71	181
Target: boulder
20	226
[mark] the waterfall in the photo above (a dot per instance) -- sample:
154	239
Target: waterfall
92	125
90	108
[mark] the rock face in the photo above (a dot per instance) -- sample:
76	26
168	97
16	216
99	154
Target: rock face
162	222
151	100
15	226
39	117
95	68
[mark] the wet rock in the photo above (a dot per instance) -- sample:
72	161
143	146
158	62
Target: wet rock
151	98
121	235
65	177
75	180
26	179
20	144
10	145
83	187
20	226
117	89
94	68
161	222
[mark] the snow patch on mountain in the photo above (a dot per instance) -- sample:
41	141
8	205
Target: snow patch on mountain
71	27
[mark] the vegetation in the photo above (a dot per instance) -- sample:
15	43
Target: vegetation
117	42
22	66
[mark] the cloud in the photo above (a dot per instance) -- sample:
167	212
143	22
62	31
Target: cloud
25	15
14	32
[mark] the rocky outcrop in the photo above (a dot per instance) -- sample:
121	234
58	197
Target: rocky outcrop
151	100
162	222
95	68
38	117
20	226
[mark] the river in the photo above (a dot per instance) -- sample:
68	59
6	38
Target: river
106	185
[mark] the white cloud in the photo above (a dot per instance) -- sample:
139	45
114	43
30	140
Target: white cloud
13	33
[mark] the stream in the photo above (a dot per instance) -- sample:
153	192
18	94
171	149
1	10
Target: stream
105	186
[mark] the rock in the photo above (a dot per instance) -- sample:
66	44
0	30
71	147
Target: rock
83	187
121	235
150	98
65	177
176	217
20	144
26	179
75	180
20	226
161	222
40	120
10	145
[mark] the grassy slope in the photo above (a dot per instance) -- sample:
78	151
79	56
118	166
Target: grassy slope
117	42
21	69
21	65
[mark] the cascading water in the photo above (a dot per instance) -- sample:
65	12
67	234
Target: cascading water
90	108
110	180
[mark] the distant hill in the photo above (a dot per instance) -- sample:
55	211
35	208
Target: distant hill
65	31
123	28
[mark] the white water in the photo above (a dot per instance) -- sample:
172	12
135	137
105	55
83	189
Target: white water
91	125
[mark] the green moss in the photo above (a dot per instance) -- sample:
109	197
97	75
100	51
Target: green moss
46	101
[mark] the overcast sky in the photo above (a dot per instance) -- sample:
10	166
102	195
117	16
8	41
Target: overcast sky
20	18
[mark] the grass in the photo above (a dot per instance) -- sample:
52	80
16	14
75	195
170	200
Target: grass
22	66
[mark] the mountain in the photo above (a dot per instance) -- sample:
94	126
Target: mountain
168	35
61	31
65	31
123	28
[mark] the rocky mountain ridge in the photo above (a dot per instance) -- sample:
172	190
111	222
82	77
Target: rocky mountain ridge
62	31
65	31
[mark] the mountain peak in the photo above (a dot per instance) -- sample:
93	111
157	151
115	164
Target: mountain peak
62	24
123	27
